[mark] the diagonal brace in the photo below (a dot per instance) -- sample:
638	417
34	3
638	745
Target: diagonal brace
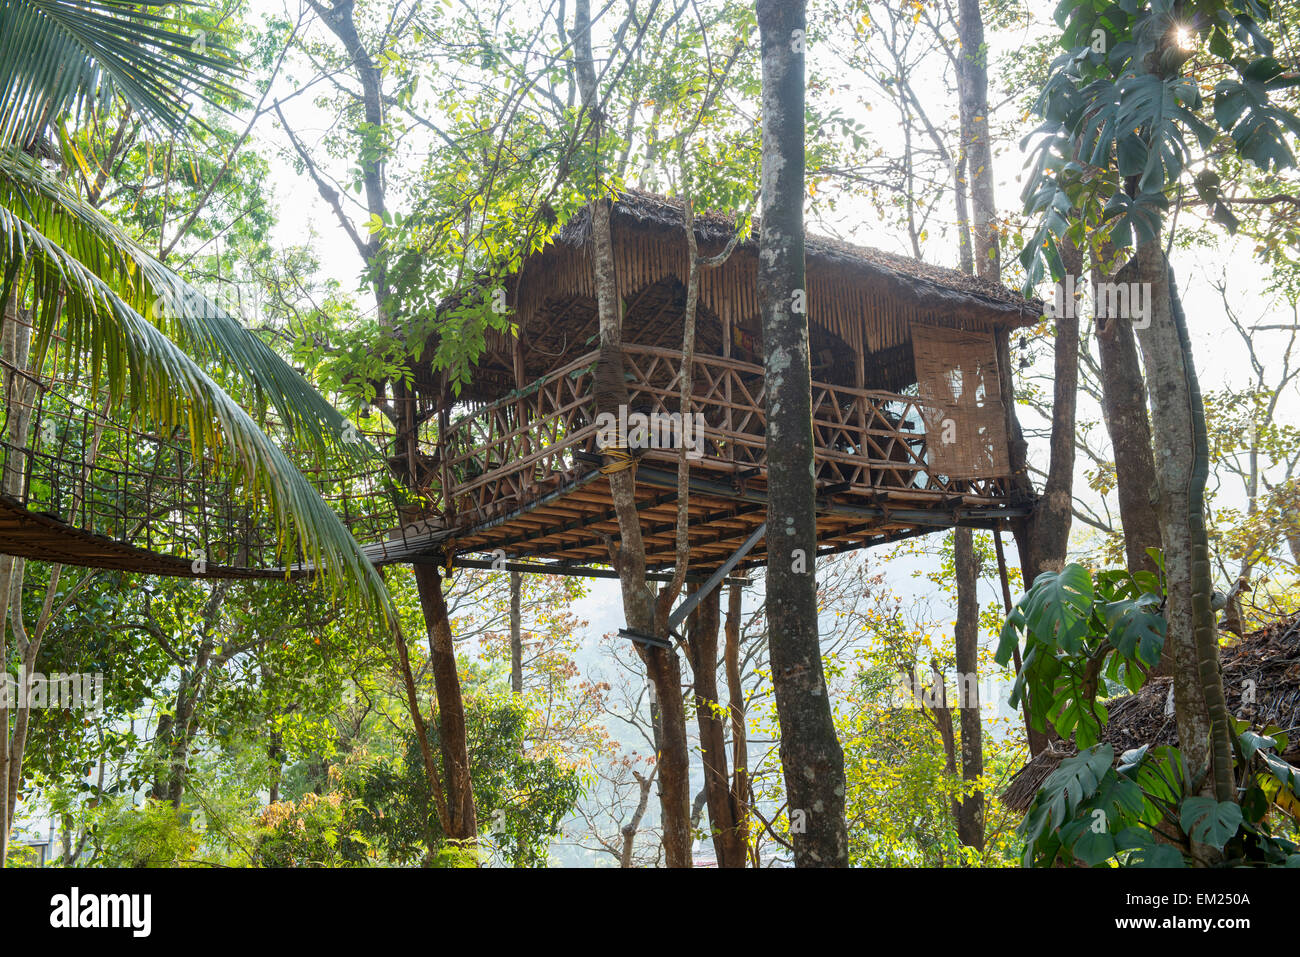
688	605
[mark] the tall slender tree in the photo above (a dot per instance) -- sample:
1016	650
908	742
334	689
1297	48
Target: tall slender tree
1125	97
811	758
640	607
363	58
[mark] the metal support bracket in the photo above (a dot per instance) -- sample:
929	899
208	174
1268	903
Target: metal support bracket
691	601
688	605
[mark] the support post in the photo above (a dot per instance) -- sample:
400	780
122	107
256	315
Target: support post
452	731
714	580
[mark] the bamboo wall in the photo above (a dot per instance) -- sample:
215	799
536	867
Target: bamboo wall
867	309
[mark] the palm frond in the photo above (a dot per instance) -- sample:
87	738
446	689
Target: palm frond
184	313
60	57
107	286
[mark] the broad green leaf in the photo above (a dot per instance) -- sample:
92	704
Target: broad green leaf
1208	821
1144	851
1136	631
1074	781
1094	847
1252	742
1058	606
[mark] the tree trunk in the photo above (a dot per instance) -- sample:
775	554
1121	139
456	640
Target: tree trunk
977	159
275	760
673	759
426	751
628	830
977	153
970	810
176	747
1124	408
662	666
811	758
15	344
516	634
340	18
452	735
942	716
9	483
1043	539
739	732
1049	527
1182	464
973	109
713	739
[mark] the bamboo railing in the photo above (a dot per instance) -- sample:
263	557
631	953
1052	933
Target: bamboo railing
868	443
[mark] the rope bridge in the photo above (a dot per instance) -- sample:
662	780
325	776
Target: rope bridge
81	487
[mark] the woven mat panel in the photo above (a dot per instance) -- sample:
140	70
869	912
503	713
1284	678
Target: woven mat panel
957	375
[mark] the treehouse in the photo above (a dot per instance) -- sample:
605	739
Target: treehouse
910	427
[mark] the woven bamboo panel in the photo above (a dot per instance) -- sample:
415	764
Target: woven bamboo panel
957	375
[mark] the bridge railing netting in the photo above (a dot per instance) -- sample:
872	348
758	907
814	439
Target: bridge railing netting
66	455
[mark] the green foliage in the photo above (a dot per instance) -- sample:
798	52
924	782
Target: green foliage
130	327
1207	821
151	834
520	800
900	790
66	58
1078	629
1145	810
898	803
1121	112
20	855
316	831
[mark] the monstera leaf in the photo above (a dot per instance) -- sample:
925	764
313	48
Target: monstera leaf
1137	629
1143	851
1073	782
1208	821
1057	608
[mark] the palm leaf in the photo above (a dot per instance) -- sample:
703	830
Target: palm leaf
183	313
107	286
62	57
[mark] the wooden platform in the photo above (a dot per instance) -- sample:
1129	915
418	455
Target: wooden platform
523	472
571	524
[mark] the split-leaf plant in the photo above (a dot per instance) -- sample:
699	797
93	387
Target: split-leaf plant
1088	635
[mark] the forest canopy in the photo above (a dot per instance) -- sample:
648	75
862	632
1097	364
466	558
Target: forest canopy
961	528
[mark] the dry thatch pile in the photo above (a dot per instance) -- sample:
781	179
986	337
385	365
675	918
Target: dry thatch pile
1261	679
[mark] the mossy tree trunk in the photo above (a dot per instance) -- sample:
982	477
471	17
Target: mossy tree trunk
1181	456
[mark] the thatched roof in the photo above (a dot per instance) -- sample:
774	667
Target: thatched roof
1269	659
862	303
932	286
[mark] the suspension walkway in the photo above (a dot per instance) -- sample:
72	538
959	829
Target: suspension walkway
79	486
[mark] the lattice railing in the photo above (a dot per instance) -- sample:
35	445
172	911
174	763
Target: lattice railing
509	452
65	455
